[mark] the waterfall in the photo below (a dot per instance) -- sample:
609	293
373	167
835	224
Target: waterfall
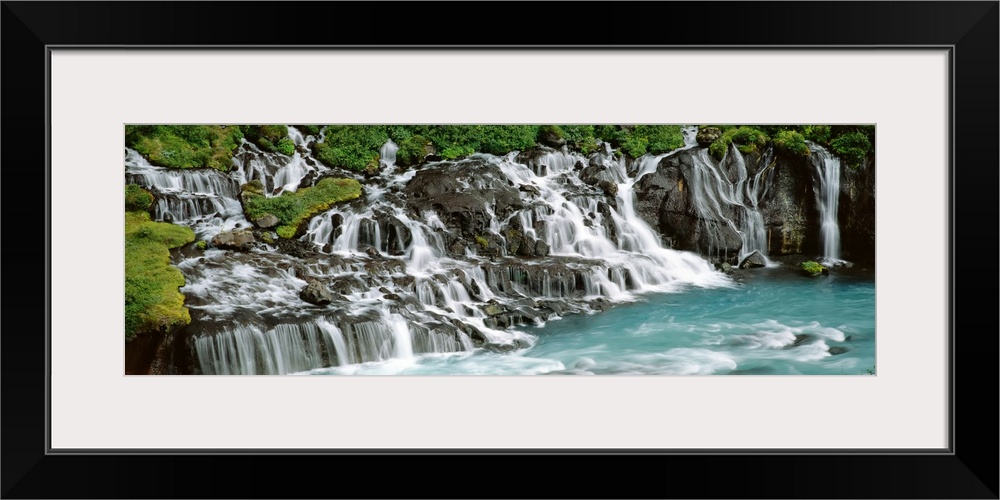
827	190
406	281
205	199
729	200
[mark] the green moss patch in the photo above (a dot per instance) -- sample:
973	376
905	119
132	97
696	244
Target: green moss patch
791	142
152	299
294	209
185	146
273	138
747	139
137	198
810	268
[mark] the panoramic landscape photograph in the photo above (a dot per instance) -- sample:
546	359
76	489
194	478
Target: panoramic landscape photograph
499	250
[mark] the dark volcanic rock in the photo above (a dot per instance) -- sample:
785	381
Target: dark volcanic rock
856	214
541	248
755	259
463	193
551	139
610	188
241	240
592	173
397	236
315	293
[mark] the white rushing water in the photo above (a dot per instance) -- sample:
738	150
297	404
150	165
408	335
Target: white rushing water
728	198
827	190
400	291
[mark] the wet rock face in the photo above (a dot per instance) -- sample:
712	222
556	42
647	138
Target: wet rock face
463	194
755	259
672	200
316	293
856	213
664	199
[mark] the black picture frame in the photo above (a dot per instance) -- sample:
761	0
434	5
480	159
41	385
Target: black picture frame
968	470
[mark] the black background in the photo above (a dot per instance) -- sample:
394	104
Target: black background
971	472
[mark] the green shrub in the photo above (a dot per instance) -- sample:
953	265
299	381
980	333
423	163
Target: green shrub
791	142
580	137
137	198
152	299
502	139
747	140
819	134
412	150
811	268
295	208
612	134
355	147
637	140
185	146
285	146
852	147
660	138
634	145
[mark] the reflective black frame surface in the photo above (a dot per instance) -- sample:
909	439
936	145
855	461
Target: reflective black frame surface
968	469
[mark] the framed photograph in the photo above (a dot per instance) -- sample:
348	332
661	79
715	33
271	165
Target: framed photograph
742	250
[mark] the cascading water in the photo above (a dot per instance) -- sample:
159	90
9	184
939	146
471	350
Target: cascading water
827	190
728	201
403	290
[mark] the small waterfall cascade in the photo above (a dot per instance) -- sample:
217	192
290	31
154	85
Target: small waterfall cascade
205	199
727	199
827	189
405	282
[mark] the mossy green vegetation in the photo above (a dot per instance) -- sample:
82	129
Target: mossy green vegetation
185	146
637	140
811	268
137	198
747	140
294	208
853	147
553	131
852	143
580	137
791	142
152	299
355	147
412	150
273	138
